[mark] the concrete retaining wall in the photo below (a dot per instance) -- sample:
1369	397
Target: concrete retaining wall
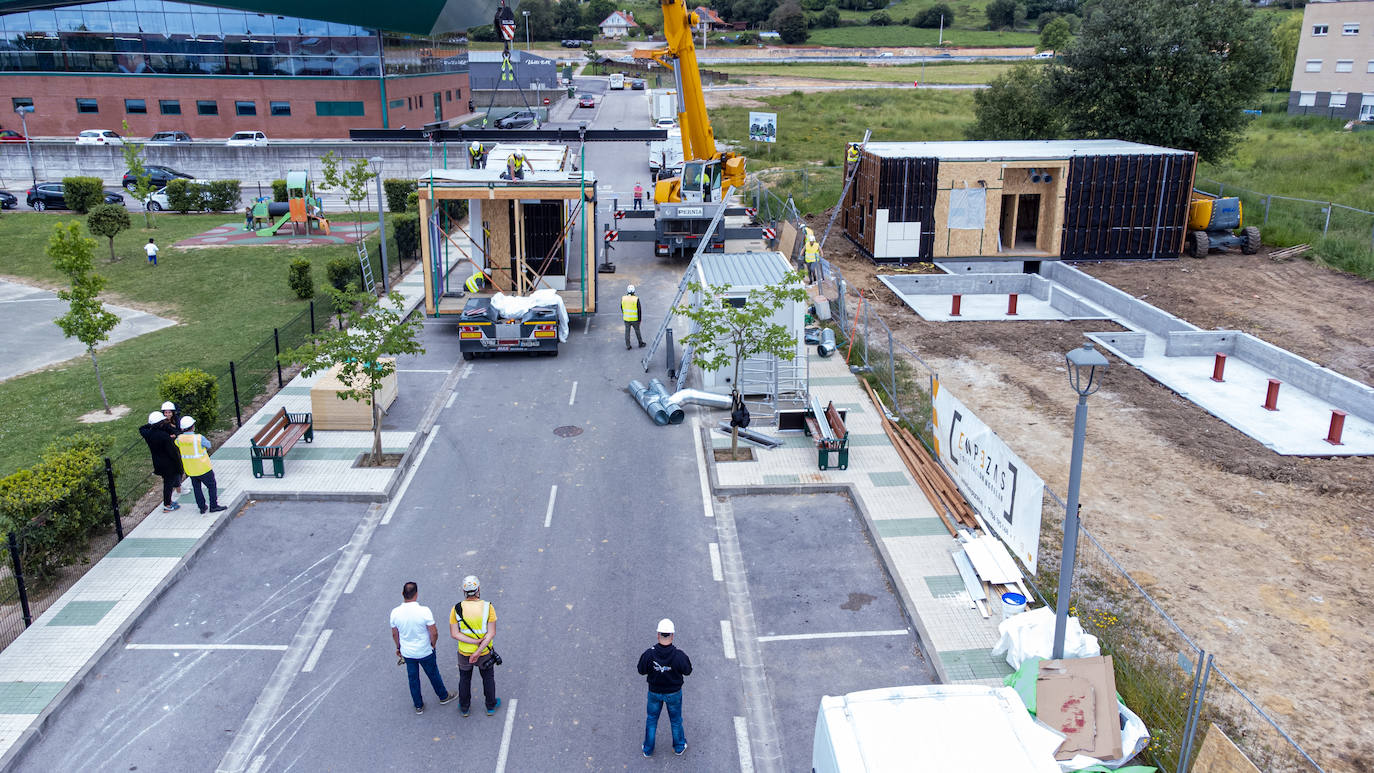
1072	305
969	284
1129	344
981	266
1122	305
1203	343
1347	394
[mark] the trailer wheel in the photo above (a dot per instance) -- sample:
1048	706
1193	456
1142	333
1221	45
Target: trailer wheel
1251	240
469	355
1200	244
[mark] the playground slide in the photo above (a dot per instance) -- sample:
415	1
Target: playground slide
323	224
272	231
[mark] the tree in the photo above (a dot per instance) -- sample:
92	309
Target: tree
568	20
1002	14
828	17
597	11
1055	36
108	220
86	319
143	181
726	333
377	329
790	22
934	16
1166	72
1018	105
879	19
1286	34
349	177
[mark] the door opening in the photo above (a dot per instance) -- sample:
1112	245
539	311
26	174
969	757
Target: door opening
1027	220
1007	227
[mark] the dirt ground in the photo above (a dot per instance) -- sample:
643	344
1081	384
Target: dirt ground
1260	558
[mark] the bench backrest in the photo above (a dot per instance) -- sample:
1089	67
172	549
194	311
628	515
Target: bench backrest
272	430
836	423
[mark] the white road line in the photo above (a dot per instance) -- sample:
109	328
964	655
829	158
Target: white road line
405	484
258	762
573	397
727	639
746	759
548	514
701	469
177	647
451	397
357	573
505	738
465	372
317	651
833	635
716	573
588	326
419	370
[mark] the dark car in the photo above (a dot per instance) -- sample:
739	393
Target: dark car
8	200
49	196
168	138
637	84
517	120
159	176
586	100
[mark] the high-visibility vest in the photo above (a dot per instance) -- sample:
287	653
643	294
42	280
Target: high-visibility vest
852	156
639	192
473	628
476	153
519	162
813	251
474	283
194	459
629	308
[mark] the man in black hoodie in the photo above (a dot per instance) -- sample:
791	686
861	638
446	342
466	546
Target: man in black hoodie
166	457
665	666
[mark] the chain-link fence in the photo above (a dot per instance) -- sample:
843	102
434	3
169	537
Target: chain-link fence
1337	231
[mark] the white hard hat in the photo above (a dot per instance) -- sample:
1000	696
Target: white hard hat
476	145
169	406
155	417
665	626
187	422
630	289
470	583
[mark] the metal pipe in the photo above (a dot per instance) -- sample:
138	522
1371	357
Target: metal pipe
650	402
827	345
699	397
675	413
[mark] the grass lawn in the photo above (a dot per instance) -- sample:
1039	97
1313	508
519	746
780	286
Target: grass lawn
854	71
902	35
226	301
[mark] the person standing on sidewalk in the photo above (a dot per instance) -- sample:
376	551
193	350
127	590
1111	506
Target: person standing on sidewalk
413	630
195	461
630	312
473	623
639	196
665	666
151	249
166	459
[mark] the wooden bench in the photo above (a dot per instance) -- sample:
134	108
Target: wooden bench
826	428
278	437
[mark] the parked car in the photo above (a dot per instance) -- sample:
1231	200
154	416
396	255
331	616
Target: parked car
637	84
665	123
247	140
1044	55
99	137
168	138
517	120
8	200
586	100
50	196
10	135
159	176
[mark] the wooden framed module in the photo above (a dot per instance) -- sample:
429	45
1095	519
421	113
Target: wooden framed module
1020	200
528	234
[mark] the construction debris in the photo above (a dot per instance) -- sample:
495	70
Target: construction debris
1288	253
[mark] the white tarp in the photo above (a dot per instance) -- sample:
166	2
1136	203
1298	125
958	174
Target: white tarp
968	208
1031	635
1004	490
512	306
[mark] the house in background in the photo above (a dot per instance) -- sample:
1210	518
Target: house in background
710	19
618	24
1334	72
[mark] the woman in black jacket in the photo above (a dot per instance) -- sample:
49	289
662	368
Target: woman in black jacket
166	458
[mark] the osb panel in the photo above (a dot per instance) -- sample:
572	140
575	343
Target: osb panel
787	240
430	308
1219	755
960	174
496	217
941	247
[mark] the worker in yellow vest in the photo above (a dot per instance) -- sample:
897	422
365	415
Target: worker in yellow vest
473	623
851	156
195	461
812	253
476	282
477	155
630	312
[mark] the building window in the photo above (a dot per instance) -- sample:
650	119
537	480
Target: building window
338	108
19	102
1307	99
135	106
402	102
410	103
458	93
1370	67
1351	29
1345	65
1320	29
169	106
1314	65
86	106
207	107
245	108
448	95
280	109
1337	99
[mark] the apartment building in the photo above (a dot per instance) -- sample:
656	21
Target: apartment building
1334	72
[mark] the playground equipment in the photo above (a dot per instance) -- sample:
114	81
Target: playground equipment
301	207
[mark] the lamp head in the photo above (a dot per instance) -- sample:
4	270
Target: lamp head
1083	364
22	109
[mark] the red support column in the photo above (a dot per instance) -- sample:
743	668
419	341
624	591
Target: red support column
1218	368
954	305
1271	397
1011	305
1333	435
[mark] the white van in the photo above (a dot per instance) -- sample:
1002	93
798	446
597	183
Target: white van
618	80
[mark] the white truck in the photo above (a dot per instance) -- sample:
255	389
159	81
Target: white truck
662	106
617	81
665	156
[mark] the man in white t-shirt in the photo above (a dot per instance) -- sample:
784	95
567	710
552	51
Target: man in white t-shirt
413	630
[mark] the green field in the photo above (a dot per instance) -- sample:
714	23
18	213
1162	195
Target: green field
226	301
895	35
853	71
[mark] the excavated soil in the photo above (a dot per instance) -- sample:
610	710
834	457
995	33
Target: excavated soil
1264	560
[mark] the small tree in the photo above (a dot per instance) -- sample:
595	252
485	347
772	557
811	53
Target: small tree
377	328
86	320
1002	14
143	181
349	177
728	334
109	221
790	23
1018	105
1055	36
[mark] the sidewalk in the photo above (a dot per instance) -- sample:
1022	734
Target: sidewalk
50	659
911	539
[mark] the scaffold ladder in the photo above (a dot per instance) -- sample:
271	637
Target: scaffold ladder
853	172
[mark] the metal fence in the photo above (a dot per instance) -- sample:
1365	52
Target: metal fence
128	478
1308	218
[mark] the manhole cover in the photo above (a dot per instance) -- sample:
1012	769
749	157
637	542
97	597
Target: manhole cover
567	431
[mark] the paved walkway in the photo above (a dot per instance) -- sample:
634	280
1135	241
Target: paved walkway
51	657
910	537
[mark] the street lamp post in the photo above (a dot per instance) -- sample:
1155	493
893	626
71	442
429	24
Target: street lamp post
527	29
1083	364
376	164
23	111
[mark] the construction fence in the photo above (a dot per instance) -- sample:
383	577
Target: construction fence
1178	689
1293	219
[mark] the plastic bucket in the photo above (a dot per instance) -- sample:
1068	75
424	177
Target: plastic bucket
1012	604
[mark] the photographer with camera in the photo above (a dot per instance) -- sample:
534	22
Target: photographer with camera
473	623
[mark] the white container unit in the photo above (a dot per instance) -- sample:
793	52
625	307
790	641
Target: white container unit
745	272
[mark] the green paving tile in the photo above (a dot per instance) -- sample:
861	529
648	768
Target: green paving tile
781	480
27	697
294	390
797	441
303	452
889	479
973	664
945	585
82	612
153	547
910	527
832	381
879	439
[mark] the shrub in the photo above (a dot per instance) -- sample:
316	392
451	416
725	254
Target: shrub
413	201
407	232
396	193
930	17
341	271
108	220
196	394
83	193
279	190
298	276
221	195
181	197
879	19
52	506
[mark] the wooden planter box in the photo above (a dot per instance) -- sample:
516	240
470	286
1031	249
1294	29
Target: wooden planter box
332	413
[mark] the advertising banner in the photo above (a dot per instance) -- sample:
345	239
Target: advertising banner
763	127
1003	490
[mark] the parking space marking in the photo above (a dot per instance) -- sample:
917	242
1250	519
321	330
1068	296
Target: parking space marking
573	397
451	397
708	509
727	639
834	635
357	573
716	573
317	651
465	372
505	737
405	484
548	514
178	647
746	759
258	762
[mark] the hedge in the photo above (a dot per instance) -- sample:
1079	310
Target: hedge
82	193
299	278
341	271
195	393
407	232
396	193
213	196
279	190
53	506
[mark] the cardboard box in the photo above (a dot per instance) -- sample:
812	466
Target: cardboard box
1077	697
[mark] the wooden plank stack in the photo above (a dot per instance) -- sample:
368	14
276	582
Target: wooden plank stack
1288	253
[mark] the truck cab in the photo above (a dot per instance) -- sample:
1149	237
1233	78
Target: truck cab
482	330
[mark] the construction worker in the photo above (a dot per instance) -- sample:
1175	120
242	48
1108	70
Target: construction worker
515	165
639	196
476	282
477	156
630	312
851	156
473	623
812	253
195	461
